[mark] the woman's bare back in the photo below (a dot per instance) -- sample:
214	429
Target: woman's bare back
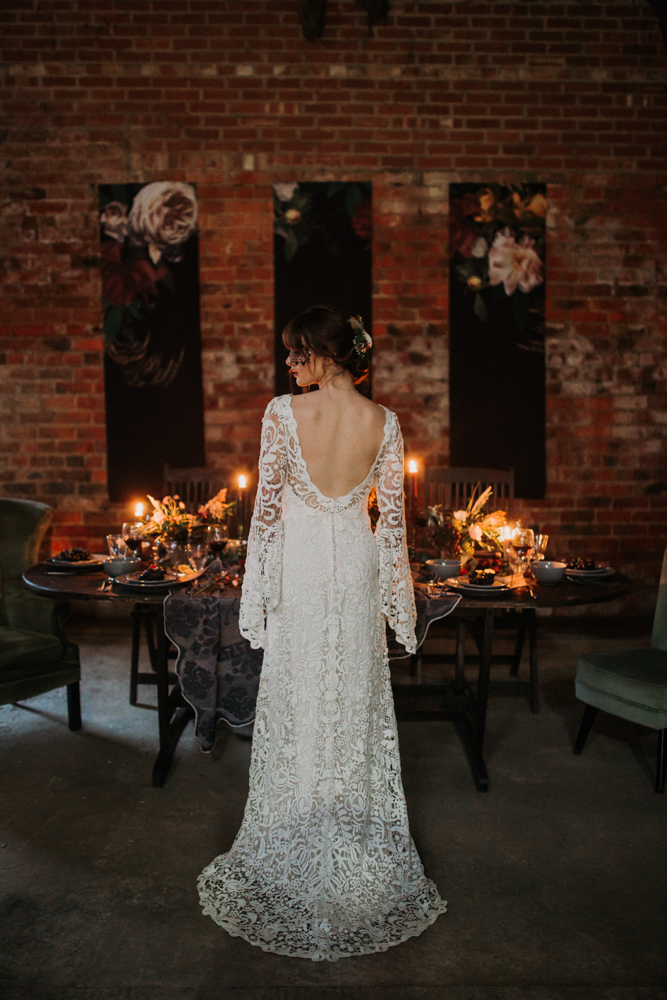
340	435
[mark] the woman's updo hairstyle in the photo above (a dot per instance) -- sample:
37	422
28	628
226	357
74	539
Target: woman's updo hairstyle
328	332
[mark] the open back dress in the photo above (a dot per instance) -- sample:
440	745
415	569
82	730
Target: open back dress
323	866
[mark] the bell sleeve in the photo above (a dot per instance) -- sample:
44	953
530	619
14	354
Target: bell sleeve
264	559
397	599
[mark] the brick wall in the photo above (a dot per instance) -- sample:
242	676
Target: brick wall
228	95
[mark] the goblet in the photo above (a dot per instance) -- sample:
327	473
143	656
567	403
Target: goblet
197	554
131	532
522	542
218	536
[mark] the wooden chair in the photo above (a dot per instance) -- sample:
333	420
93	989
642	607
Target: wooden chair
194	486
453	488
630	683
35	655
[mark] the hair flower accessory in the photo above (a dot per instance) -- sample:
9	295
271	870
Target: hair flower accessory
362	339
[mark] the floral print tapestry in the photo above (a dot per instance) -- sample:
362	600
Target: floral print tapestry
496	328
152	363
321	255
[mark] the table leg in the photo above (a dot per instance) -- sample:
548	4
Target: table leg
476	752
518	649
484	677
173	712
134	661
532	651
460	670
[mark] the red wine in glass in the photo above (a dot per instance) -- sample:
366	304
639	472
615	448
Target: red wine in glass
133	543
217	546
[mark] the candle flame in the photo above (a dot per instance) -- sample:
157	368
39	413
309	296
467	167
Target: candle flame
139	510
242	482
412	466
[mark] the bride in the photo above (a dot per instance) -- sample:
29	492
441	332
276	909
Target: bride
323	866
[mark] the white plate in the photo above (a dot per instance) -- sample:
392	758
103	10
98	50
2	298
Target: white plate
461	583
591	573
94	561
130	580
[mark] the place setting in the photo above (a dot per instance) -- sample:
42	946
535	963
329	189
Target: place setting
72	561
169	547
587	571
491	557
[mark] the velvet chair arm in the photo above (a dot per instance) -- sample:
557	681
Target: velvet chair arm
37	614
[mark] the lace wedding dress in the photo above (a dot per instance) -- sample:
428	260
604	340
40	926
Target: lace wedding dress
323	866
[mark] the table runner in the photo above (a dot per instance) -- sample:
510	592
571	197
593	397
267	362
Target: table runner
219	671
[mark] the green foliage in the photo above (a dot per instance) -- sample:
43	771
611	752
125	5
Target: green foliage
113	322
480	308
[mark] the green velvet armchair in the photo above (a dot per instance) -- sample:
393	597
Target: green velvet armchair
630	683
35	655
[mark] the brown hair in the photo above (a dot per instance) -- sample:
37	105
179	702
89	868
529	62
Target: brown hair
326	331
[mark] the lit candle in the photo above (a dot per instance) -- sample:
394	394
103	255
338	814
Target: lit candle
139	511
413	469
241	510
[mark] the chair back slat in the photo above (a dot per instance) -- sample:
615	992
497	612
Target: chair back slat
453	488
659	637
194	486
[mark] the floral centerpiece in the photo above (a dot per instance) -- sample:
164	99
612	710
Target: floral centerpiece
459	532
216	510
169	518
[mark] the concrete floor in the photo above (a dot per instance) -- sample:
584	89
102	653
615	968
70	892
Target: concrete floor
555	879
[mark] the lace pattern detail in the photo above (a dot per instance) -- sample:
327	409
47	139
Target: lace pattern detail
397	598
324	866
263	569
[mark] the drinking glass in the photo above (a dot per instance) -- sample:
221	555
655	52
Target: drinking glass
541	542
521	547
197	554
218	536
132	537
116	545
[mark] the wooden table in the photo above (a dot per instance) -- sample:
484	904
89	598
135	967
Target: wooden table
465	703
173	711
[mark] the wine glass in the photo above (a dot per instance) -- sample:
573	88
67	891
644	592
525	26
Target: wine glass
197	554
522	542
131	532
218	536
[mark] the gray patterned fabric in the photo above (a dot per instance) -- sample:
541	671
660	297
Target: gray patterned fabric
217	669
429	610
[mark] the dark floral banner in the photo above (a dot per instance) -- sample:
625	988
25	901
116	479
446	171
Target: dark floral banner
496	313
150	297
322	254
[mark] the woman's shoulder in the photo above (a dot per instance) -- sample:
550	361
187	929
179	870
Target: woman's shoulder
376	416
277	405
